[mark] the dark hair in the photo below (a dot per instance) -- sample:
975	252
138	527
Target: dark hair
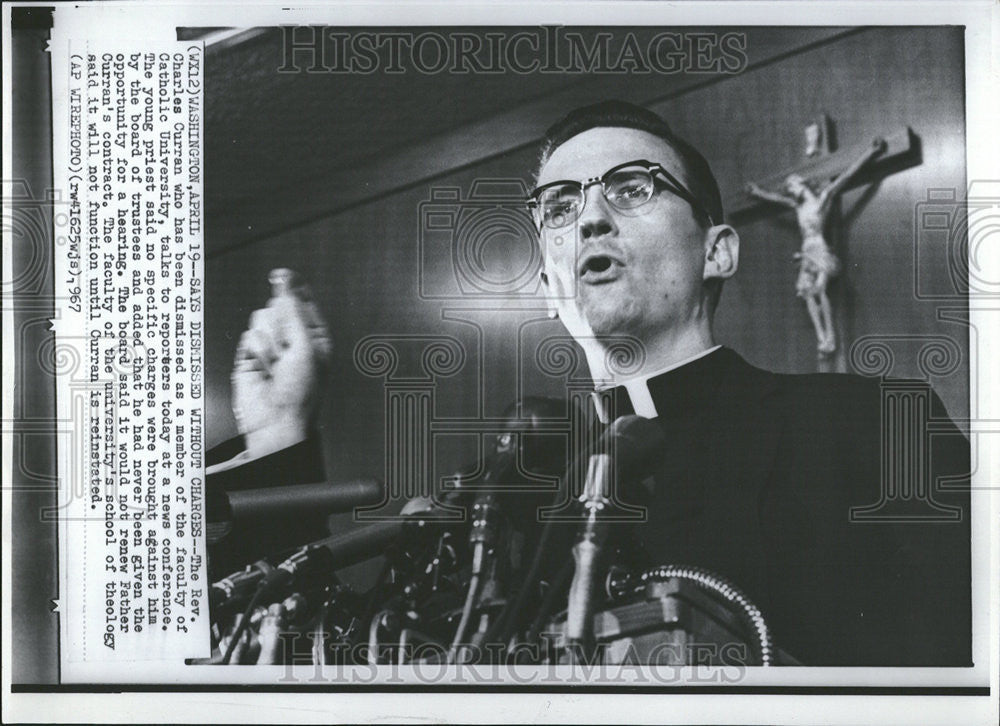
620	114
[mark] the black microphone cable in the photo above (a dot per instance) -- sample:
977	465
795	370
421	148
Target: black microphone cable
244	623
280	576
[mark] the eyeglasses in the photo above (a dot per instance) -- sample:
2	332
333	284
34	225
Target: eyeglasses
626	186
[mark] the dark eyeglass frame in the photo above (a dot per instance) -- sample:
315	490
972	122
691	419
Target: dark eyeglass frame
669	181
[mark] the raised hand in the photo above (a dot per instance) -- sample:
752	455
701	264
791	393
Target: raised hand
280	363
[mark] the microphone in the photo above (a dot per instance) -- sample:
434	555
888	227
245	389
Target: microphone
625	453
484	534
363	543
485	514
325	555
629	446
225	508
523	441
296	499
237	587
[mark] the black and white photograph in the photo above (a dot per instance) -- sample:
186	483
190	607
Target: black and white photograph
616	361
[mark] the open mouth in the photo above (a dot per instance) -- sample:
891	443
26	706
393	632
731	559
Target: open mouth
599	268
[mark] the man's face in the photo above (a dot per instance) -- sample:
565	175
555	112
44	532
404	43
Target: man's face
635	272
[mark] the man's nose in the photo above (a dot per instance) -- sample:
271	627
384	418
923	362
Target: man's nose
597	218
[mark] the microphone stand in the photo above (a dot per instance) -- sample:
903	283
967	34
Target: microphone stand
586	555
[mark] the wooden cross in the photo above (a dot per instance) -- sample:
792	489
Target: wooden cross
812	189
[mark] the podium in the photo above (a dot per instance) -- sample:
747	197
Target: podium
677	621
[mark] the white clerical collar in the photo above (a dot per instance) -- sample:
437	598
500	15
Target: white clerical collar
638	388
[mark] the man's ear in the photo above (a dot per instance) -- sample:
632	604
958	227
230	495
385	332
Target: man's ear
722	252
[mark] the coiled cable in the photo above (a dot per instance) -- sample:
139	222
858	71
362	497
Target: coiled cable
728	591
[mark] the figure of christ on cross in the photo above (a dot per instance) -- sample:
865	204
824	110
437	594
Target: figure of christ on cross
817	262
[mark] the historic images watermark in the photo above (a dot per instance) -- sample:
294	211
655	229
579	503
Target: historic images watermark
478	243
956	232
546	49
668	663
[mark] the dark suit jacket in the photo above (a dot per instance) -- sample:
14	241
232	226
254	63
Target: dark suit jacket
757	483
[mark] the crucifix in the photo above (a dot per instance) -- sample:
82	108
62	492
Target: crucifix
812	190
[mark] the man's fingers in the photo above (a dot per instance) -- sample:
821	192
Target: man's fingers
257	349
298	318
246	359
318	332
269	324
285	324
